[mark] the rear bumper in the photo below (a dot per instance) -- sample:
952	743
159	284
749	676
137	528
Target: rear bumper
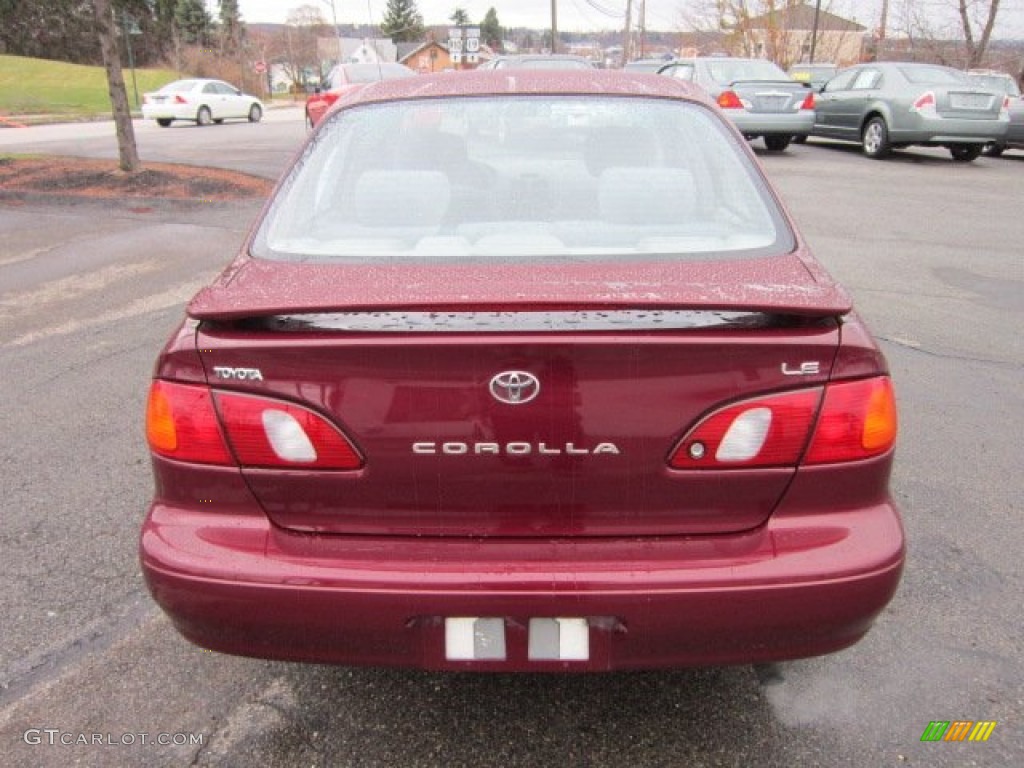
945	130
801	585
754	124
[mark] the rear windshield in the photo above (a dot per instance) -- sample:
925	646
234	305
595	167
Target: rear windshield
369	73
178	86
735	70
997	83
925	75
523	177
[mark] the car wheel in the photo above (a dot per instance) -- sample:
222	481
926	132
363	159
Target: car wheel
163	122
993	150
776	143
203	116
965	153
801	139
875	138
255	113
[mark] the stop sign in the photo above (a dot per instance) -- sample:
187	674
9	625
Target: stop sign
260	67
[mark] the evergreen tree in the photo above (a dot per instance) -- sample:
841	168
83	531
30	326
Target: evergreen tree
192	21
230	26
490	29
403	22
459	17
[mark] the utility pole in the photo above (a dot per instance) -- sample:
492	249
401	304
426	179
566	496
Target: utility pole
627	34
882	23
643	29
814	32
554	26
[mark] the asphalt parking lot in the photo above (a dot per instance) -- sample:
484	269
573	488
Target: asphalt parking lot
931	251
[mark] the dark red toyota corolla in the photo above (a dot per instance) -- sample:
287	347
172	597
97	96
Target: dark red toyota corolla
525	371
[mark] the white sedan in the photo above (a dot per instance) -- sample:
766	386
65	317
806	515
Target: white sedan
204	101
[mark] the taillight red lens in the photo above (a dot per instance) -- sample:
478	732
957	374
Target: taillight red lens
808	102
273	433
767	431
182	424
925	102
729	100
179	99
858	420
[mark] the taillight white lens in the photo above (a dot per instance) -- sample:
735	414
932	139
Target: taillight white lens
767	431
745	436
265	432
286	437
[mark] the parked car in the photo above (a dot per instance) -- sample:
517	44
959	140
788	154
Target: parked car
345	77
538	61
890	105
584	401
200	100
816	74
1000	81
761	99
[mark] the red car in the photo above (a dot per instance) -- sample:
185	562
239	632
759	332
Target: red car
345	77
567	392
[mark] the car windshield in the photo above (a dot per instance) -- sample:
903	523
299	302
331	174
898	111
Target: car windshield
523	177
734	70
921	74
369	73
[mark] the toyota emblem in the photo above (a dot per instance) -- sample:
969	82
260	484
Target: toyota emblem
514	387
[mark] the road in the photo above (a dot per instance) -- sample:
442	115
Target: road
931	251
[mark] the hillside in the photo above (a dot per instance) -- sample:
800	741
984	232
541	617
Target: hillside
37	86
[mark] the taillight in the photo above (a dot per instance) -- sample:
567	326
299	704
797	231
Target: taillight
273	433
924	103
729	100
808	102
857	420
182	423
179	99
1005	109
764	432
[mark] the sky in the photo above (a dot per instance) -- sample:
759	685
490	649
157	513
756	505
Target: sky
584	15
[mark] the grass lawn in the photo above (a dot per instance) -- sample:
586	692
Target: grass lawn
37	86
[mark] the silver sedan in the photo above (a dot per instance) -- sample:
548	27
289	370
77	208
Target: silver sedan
758	97
889	105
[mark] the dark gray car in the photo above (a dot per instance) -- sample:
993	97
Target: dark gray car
889	105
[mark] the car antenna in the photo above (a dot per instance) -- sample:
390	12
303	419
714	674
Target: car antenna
376	51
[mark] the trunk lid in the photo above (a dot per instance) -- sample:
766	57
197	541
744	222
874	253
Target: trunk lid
410	383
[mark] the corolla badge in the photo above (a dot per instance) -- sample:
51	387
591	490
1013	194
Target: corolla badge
514	387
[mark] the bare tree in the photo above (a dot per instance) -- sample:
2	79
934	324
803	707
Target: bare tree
974	13
303	26
107	27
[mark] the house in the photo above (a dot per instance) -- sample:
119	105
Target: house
430	56
354	50
784	36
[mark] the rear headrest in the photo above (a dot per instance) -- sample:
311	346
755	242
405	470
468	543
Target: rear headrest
619	146
401	198
647	196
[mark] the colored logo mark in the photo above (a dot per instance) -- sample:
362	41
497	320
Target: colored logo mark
958	730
